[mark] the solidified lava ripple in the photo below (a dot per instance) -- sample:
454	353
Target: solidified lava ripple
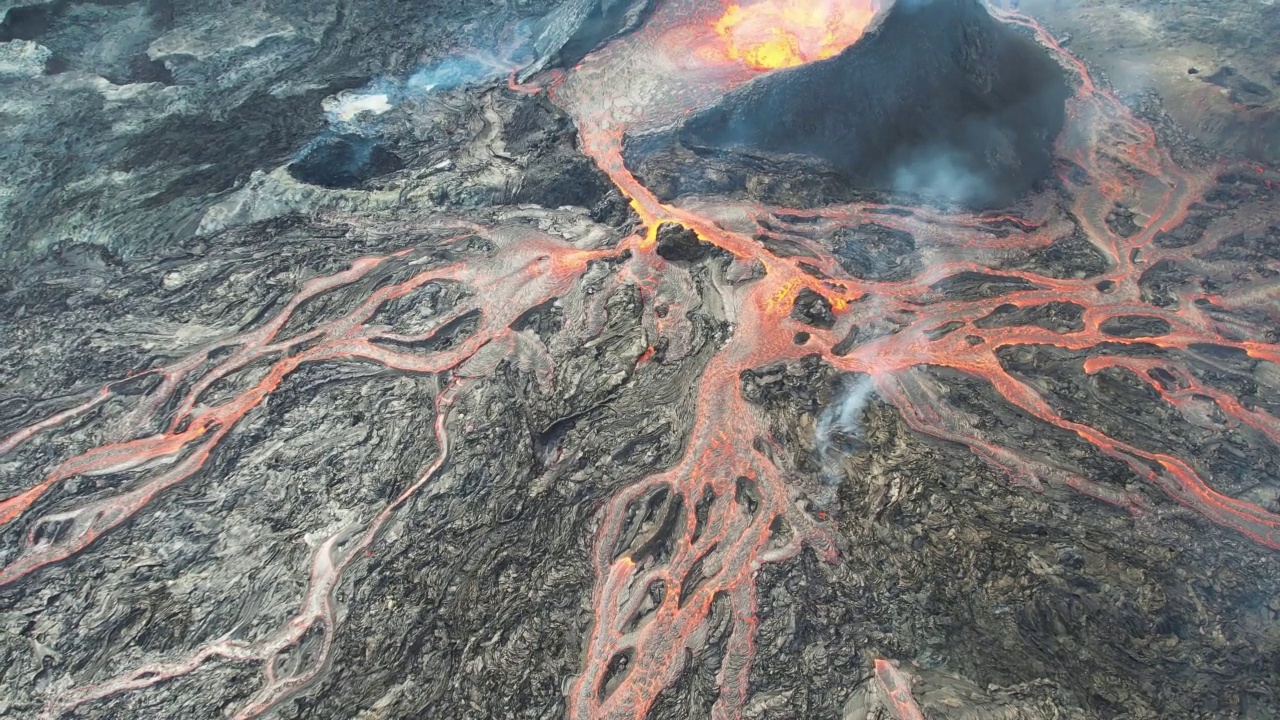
691	538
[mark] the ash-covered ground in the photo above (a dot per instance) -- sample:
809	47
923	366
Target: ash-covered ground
347	372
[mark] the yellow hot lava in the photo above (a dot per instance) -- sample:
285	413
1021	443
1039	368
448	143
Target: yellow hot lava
772	34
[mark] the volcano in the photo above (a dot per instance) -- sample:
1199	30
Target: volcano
937	99
356	374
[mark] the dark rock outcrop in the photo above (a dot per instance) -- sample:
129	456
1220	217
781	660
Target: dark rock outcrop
576	27
938	99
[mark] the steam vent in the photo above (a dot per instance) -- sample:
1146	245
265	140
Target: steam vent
937	99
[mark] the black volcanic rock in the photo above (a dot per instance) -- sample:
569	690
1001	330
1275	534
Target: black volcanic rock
343	160
680	244
938	99
576	27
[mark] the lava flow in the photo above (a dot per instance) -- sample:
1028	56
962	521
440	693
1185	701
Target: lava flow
679	551
677	554
773	34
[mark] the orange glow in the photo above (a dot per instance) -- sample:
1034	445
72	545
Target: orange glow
772	34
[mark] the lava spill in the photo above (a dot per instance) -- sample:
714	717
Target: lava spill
773	34
685	544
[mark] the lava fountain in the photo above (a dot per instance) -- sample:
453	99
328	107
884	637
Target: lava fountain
774	34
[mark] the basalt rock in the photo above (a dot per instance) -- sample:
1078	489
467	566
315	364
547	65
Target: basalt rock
576	27
938	99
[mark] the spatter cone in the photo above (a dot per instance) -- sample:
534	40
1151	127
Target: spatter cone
938	99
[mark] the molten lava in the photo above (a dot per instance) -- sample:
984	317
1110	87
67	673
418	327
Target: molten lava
773	34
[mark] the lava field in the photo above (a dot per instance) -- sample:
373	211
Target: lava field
652	359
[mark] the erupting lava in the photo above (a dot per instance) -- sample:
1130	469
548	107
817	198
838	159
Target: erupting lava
678	552
773	34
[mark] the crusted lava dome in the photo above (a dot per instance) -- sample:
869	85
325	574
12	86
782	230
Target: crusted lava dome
938	100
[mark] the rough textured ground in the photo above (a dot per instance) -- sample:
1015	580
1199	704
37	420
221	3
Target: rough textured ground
1213	65
436	411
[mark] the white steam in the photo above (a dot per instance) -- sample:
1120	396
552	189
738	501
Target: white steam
840	430
346	106
940	175
844	417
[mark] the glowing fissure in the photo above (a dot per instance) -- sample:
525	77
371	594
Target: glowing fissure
897	692
727	507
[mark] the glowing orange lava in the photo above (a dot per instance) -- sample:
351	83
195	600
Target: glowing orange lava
772	34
